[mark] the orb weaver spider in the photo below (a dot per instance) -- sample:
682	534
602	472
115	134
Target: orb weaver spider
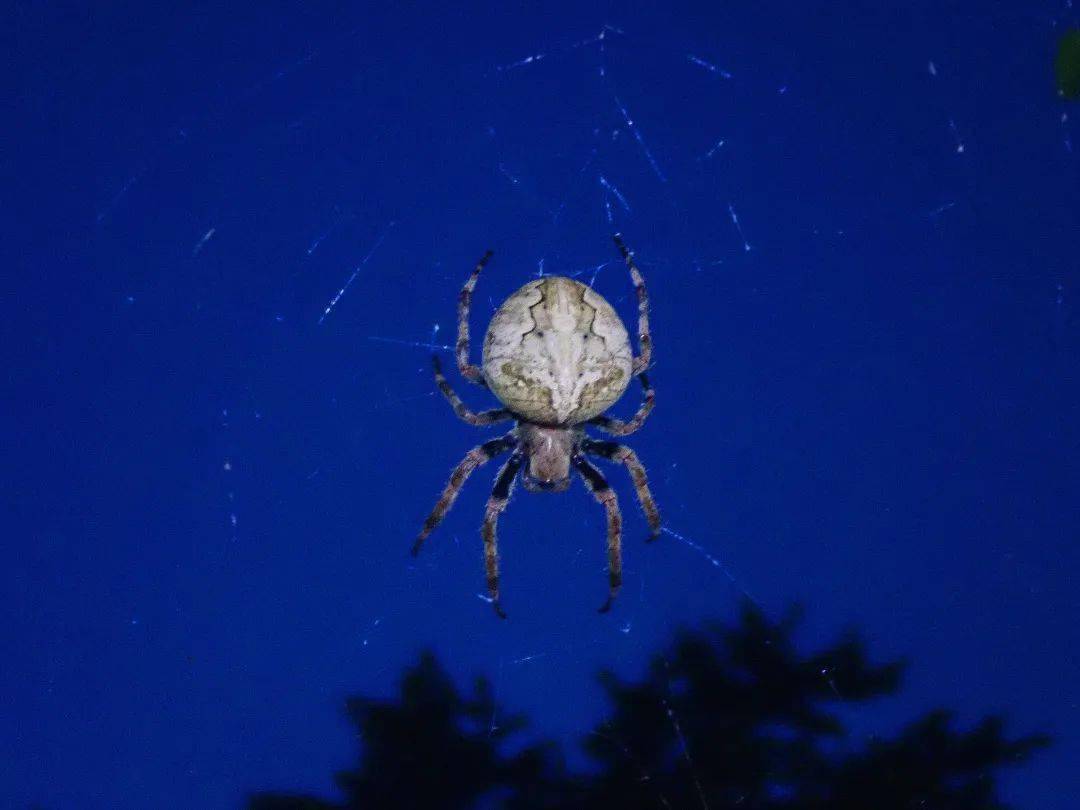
556	355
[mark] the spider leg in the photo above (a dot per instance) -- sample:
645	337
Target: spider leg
470	372
624	455
460	408
478	456
500	495
605	495
642	361
617	427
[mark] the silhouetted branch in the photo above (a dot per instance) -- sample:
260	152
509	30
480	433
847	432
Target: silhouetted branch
728	717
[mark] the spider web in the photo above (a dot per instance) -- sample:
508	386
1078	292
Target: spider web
610	179
314	298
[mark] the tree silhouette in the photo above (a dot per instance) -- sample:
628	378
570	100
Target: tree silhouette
433	748
736	717
729	717
1067	65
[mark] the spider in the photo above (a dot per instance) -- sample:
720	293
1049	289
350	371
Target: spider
556	355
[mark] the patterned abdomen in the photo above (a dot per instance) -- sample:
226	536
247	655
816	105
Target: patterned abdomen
556	353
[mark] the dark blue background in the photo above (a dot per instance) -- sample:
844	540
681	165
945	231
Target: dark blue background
873	411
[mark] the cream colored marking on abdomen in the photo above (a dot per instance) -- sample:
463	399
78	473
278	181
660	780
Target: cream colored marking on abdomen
557	353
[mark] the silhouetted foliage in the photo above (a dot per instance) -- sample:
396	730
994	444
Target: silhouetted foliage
1067	65
433	748
729	717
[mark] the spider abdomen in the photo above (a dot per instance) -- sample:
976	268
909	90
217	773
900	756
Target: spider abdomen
556	353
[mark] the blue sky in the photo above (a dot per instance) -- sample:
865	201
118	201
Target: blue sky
214	482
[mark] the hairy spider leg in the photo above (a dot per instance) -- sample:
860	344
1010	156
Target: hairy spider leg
622	454
460	408
605	495
470	372
642	361
500	495
618	427
477	457
608	424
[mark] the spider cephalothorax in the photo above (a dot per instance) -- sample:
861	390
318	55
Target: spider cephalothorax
557	356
